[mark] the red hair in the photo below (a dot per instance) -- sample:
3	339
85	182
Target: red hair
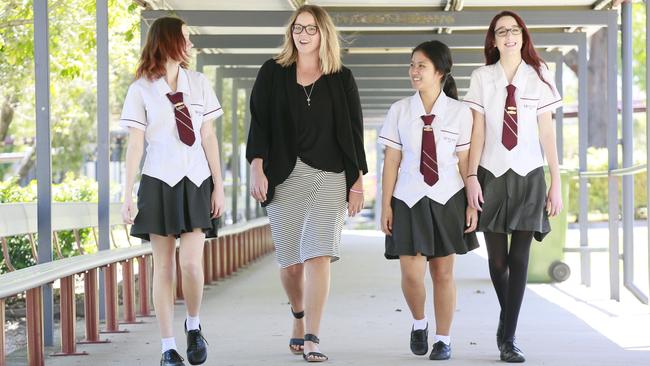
528	53
165	41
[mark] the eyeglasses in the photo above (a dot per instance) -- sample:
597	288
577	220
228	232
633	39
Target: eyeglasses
298	28
502	32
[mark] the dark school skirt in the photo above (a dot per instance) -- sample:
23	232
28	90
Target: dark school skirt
430	228
166	210
513	202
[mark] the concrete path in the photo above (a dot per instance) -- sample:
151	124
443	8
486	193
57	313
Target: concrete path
247	322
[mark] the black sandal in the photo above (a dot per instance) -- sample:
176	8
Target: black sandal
313	356
297	341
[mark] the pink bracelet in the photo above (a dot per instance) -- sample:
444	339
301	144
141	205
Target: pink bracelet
355	191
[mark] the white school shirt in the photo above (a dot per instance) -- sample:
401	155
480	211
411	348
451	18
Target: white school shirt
487	95
402	130
146	107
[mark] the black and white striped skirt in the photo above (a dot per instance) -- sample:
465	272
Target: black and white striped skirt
307	214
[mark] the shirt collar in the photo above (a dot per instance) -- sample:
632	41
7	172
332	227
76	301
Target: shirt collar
182	83
439	107
519	80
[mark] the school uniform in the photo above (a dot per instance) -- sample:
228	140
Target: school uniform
511	168
175	190
428	214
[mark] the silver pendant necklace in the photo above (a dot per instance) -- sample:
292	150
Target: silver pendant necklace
308	95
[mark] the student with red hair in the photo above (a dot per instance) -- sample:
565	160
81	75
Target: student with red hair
512	98
181	190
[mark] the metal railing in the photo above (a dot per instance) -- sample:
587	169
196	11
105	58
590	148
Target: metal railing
237	246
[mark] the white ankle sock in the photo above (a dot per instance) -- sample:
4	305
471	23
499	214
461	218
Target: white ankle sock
444	338
420	324
168	343
192	322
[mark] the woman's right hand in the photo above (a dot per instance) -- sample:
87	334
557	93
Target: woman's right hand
259	183
387	220
127	210
474	193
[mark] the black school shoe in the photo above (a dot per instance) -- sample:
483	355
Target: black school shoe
440	351
171	358
420	341
197	351
510	353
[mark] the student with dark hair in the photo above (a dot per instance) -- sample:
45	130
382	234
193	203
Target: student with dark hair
512	99
424	208
181	191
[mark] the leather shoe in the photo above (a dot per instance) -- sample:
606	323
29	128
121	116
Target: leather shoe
420	341
197	351
510	353
440	351
171	358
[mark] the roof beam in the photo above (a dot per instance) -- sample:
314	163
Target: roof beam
383	18
454	41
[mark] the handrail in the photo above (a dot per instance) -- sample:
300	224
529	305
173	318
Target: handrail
31	277
635	169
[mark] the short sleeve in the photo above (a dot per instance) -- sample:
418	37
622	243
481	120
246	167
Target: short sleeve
389	135
133	112
550	99
474	96
212	107
465	131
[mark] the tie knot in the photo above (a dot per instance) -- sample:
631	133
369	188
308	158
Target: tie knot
511	89
175	97
428	118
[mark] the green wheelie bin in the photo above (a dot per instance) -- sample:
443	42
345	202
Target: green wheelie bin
546	258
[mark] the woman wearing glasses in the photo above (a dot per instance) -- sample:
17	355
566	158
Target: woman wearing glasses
512	99
305	147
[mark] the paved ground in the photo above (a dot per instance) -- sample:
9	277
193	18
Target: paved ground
247	322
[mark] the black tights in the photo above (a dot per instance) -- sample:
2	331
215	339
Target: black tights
509	272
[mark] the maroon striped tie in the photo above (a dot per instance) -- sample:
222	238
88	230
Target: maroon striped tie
509	133
183	119
428	158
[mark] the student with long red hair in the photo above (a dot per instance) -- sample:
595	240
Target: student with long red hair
181	191
512	98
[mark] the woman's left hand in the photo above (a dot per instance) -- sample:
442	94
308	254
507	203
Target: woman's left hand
554	200
471	219
355	202
218	201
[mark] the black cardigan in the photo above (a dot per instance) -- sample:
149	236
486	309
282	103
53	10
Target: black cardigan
272	134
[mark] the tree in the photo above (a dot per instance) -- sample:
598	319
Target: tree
72	47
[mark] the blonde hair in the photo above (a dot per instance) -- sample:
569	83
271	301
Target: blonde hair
329	51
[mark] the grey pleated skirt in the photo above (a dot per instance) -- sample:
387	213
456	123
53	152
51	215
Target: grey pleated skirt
430	228
307	214
513	202
166	210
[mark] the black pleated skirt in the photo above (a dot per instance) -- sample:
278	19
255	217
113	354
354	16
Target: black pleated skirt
513	202
166	210
430	228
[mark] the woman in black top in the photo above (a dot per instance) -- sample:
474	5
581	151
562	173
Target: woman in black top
305	146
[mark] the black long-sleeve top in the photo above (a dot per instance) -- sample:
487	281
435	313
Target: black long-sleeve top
275	112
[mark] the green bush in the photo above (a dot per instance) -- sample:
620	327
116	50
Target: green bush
71	189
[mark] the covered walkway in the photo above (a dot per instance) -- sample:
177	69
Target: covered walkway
366	321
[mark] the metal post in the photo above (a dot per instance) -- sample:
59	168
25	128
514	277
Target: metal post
583	142
647	129
234	165
628	130
43	158
33	305
249	213
612	147
103	144
559	113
